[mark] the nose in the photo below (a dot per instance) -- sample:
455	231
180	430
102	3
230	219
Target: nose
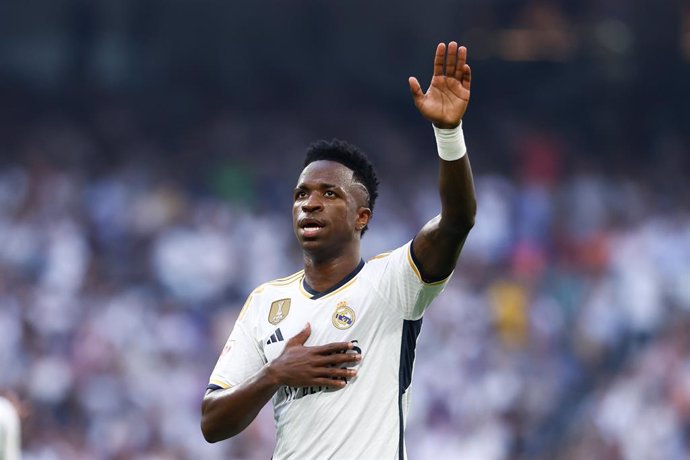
312	203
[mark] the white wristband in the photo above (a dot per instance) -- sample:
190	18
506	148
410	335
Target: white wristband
450	143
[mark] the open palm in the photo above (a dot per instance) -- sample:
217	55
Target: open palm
446	99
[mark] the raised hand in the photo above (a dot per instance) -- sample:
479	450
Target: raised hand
446	99
300	366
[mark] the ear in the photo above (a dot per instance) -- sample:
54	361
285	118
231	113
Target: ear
363	217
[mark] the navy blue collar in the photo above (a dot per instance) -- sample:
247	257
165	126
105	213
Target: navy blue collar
317	295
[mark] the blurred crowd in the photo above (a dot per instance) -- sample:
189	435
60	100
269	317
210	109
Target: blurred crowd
147	158
562	334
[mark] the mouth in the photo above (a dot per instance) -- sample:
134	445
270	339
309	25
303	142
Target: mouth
310	227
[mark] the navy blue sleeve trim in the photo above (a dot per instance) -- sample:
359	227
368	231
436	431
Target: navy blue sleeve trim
213	387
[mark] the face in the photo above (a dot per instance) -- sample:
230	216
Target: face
329	208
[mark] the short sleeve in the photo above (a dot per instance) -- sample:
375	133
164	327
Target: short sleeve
402	283
241	357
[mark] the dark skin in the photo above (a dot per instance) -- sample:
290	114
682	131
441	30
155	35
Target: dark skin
328	195
438	244
329	212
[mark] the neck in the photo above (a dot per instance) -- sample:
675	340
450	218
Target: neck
323	273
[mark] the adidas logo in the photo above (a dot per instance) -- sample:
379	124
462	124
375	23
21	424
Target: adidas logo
277	336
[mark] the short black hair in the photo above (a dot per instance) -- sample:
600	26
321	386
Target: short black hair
351	156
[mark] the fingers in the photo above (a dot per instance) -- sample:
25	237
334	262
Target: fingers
334	347
466	78
301	337
451	59
462	60
463	72
324	382
332	377
334	373
337	359
439	58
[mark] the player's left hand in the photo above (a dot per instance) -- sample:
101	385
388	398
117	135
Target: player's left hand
446	99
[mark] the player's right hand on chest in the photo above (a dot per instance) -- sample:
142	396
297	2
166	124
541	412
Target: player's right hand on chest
302	366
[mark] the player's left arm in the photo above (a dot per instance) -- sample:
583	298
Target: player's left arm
438	244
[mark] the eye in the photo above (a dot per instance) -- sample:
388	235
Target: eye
300	194
329	194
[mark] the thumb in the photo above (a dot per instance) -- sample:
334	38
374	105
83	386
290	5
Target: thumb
302	336
415	88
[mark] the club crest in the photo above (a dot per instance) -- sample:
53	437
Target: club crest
279	310
344	316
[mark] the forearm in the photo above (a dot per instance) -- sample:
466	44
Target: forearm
438	244
456	186
458	202
225	413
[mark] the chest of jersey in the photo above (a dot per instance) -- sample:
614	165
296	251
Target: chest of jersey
354	313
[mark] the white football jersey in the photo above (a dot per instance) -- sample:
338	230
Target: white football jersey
379	306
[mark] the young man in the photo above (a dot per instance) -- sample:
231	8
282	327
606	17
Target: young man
333	345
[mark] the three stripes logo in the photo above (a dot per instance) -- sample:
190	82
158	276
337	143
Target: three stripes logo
277	336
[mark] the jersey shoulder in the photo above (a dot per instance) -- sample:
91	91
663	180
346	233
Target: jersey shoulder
399	264
278	283
379	267
270	289
383	255
286	280
394	256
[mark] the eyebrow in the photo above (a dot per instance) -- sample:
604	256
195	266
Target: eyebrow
322	185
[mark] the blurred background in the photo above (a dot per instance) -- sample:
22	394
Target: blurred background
148	150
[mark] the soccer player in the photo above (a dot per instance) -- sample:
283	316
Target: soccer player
333	345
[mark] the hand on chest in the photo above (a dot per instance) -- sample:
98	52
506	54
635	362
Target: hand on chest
337	319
